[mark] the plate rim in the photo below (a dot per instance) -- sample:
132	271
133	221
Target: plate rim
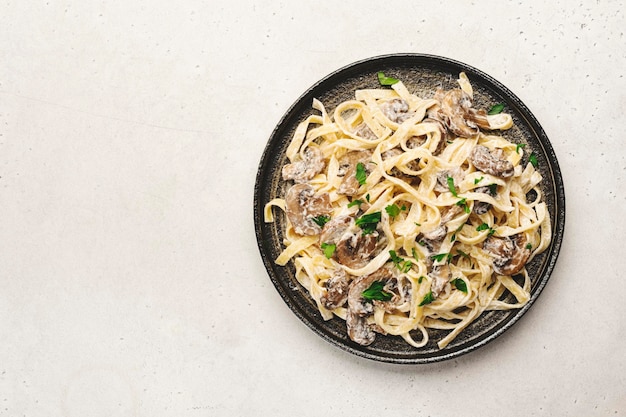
558	224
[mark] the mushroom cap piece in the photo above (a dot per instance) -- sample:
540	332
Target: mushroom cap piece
509	253
306	168
491	162
303	205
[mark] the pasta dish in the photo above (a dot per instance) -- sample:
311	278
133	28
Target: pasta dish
405	214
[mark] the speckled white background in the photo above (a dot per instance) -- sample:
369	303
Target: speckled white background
131	283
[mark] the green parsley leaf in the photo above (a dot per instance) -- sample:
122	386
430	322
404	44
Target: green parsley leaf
458	229
386	81
529	246
533	159
420	279
368	222
463	254
428	298
414	253
463	203
392	210
485	226
441	256
459	284
361	175
329	249
519	146
482	227
451	186
495	109
477	180
321	220
400	263
356	202
367	197
375	292
493	189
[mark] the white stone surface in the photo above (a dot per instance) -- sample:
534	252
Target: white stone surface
131	283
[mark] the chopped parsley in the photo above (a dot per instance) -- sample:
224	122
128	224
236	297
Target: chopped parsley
393	210
356	202
493	189
386	81
375	292
321	220
519	146
451	186
533	159
400	263
368	222
458	229
477	180
420	279
459	284
329	249
414	253
361	175
496	109
441	256
529	246
463	204
485	226
428	298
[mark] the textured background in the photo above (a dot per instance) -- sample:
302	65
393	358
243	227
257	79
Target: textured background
130	135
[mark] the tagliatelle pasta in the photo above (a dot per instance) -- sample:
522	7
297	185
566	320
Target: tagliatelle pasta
406	214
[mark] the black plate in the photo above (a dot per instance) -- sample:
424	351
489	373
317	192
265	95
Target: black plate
422	74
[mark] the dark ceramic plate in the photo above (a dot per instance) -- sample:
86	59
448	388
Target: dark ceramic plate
422	74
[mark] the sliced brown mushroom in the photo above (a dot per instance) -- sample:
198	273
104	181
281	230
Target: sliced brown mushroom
481	207
491	162
455	105
337	288
396	110
353	248
359	308
347	169
509	254
440	276
303	205
306	168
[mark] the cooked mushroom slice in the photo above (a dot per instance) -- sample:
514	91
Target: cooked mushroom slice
354	249
303	206
306	168
359	308
480	118
347	169
450	213
481	207
396	110
490	162
440	275
359	330
335	228
337	288
509	253
455	106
